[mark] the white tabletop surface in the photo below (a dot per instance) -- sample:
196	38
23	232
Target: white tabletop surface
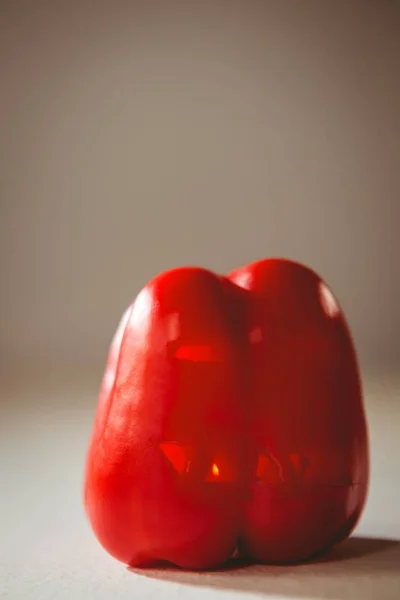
47	550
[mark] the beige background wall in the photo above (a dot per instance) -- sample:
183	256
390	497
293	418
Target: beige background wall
137	136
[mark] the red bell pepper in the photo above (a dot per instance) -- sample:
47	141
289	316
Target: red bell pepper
230	418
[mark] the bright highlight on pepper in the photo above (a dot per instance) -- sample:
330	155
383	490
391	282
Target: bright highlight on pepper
215	470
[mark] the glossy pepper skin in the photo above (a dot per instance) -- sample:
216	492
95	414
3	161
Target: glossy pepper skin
230	418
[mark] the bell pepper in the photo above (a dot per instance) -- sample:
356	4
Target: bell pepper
230	421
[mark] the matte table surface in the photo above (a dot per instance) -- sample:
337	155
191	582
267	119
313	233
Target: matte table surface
47	549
